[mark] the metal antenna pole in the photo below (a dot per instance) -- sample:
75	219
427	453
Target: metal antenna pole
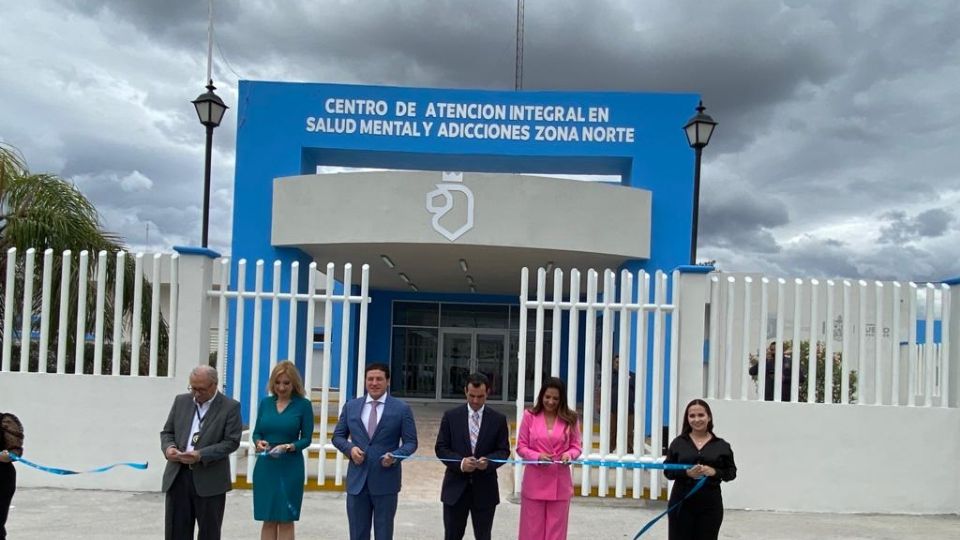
209	43
518	75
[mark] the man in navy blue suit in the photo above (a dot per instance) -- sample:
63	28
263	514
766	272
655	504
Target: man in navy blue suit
470	436
372	428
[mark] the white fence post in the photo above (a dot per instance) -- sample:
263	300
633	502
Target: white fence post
193	311
694	283
950	334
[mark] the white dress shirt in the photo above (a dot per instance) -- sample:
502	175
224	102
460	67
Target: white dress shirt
470	412
199	411
367	407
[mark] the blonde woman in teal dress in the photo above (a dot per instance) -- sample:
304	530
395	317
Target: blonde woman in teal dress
284	429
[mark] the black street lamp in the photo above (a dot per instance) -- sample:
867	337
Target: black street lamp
210	109
698	130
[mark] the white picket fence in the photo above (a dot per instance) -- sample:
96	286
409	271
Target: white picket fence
297	304
51	299
34	329
658	323
869	328
643	316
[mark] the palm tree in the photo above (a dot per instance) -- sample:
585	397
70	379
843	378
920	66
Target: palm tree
45	211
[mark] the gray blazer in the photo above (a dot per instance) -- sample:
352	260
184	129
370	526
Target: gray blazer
219	438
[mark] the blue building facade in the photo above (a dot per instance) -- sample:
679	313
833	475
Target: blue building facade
432	333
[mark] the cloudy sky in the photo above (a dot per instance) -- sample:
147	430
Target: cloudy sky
835	155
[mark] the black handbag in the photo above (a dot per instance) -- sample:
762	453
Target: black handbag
12	430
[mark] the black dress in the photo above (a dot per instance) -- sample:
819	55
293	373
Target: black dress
11	439
700	516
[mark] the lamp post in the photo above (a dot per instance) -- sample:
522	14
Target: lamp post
210	109
698	130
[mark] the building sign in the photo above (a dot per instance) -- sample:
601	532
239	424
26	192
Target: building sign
469	120
291	129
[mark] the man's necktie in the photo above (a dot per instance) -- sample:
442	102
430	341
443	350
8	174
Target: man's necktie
372	421
474	430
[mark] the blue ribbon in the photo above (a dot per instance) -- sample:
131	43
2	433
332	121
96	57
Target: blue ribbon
68	472
696	487
632	464
597	463
583	462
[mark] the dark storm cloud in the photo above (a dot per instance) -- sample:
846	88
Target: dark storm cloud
933	222
914	264
745	57
568	45
739	220
901	228
175	21
829	258
832	259
816	258
831	113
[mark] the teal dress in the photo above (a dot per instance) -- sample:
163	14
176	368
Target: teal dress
278	481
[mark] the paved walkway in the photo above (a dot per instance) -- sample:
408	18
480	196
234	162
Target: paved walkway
108	515
50	514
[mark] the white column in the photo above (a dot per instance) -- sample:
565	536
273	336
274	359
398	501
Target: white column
952	335
694	285
193	310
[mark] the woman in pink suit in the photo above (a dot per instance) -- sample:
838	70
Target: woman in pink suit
549	433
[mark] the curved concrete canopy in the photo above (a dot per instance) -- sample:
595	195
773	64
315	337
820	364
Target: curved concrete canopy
426	222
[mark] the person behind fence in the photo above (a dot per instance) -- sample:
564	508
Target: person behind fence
371	429
549	433
614	393
470	436
770	372
202	430
700	516
11	442
284	429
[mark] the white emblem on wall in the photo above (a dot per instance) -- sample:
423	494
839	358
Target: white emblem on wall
452	184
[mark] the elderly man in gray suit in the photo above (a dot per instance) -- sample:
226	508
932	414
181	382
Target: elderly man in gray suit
202	430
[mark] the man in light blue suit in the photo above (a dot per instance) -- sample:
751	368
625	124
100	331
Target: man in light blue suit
372	428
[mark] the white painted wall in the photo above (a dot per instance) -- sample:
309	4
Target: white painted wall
84	421
806	457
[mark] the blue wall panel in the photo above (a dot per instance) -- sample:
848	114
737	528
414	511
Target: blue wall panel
277	135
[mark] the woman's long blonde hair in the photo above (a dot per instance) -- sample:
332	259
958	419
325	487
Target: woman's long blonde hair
289	369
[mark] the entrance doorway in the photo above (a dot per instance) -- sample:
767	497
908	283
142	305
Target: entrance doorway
435	346
465	351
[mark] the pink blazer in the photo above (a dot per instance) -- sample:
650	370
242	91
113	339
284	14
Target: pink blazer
547	482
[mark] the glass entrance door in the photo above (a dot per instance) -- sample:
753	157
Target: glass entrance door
467	351
491	350
456	362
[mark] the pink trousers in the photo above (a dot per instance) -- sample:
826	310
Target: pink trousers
543	520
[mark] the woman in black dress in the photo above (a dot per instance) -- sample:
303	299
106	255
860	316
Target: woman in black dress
700	516
11	442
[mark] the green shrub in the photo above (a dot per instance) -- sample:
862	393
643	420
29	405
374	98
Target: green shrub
837	366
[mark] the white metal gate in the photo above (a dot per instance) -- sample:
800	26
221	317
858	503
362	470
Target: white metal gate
640	321
298	304
852	341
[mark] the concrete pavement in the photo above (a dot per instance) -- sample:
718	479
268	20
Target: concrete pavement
111	515
114	515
